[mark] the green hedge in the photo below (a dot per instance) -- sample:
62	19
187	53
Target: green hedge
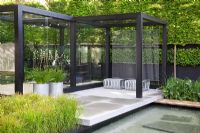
182	89
182	16
128	55
37	114
185	57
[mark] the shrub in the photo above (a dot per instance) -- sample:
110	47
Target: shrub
33	113
185	57
45	76
40	76
56	75
182	89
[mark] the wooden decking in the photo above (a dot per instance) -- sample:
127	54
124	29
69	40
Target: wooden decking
179	103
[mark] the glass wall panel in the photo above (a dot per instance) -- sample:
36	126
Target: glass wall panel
90	57
7	53
151	56
46	44
123	53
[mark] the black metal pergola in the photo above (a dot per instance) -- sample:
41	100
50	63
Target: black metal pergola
137	20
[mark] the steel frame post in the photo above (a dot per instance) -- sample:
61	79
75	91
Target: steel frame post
73	49
164	54
61	41
108	64
139	42
19	50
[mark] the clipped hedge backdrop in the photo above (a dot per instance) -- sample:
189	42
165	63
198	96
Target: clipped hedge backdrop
182	16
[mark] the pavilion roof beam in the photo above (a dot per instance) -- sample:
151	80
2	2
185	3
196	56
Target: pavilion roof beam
153	19
108	17
130	24
95	24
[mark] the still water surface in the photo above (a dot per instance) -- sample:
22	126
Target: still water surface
156	119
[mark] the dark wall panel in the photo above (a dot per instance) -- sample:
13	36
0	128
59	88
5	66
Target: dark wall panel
126	71
122	70
184	72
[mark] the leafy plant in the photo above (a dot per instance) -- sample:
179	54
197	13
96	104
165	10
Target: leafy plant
56	75
34	113
185	57
182	89
40	76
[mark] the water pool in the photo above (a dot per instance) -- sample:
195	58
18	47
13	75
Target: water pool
156	119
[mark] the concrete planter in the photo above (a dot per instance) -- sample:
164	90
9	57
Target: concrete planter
41	89
56	89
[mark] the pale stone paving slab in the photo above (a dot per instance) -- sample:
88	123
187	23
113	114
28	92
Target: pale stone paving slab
101	104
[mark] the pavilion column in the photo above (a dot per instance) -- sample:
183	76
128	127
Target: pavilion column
164	54
108	65
73	32
19	50
139	37
61	47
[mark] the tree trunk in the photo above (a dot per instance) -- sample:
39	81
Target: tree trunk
174	60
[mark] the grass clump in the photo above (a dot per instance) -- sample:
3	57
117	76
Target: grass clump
37	114
180	89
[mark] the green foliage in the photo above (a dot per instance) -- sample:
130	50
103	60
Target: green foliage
128	55
185	57
28	74
182	16
56	75
38	35
182	89
37	114
45	76
40	76
6	32
123	56
22	2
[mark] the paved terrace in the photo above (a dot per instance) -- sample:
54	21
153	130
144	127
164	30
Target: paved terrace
102	104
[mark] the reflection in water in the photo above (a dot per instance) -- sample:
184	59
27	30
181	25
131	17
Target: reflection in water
156	119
